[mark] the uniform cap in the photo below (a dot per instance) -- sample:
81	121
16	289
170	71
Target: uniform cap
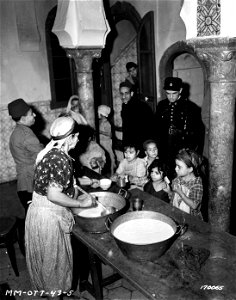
62	127
18	108
173	84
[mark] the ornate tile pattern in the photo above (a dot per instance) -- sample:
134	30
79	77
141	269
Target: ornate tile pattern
208	17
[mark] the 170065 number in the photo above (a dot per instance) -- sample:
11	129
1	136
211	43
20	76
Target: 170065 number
212	287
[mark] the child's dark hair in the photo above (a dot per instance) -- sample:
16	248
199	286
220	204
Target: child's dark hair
147	142
192	159
131	145
159	165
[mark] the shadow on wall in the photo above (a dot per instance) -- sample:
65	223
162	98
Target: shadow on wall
39	126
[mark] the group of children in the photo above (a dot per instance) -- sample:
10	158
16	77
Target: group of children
149	173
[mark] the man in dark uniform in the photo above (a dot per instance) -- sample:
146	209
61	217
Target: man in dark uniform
137	117
178	123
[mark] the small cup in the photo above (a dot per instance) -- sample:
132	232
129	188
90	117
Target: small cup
105	183
137	204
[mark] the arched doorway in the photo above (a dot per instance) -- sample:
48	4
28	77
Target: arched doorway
180	60
128	29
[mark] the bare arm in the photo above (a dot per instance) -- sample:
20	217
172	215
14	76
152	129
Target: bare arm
55	195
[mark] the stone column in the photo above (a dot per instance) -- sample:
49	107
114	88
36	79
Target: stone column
219	57
83	60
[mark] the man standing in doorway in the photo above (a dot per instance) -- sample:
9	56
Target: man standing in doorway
137	117
178	123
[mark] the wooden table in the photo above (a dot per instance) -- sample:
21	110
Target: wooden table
172	276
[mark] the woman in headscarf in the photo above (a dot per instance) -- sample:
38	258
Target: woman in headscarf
94	156
49	219
105	134
73	109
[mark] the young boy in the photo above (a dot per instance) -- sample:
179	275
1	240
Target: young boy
132	166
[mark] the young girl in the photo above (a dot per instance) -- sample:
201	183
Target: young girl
151	151
156	185
133	166
187	187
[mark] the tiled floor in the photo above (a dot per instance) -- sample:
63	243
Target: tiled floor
120	289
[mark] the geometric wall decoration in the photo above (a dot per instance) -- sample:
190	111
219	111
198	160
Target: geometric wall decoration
208	17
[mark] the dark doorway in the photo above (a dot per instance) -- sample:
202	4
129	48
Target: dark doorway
63	82
145	52
172	57
146	60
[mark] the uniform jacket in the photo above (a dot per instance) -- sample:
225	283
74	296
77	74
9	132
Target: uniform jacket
178	124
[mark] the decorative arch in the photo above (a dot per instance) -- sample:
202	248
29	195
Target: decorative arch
166	63
125	11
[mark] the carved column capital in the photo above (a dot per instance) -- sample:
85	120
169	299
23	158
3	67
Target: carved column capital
218	56
83	57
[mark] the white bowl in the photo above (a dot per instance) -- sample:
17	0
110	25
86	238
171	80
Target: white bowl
105	183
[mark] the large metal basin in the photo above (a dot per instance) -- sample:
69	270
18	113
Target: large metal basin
100	224
150	251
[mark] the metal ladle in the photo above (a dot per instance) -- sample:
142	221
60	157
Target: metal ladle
107	209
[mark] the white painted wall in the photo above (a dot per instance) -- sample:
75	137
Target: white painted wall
24	73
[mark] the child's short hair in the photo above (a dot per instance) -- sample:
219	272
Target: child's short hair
148	142
130	65
192	159
157	163
131	145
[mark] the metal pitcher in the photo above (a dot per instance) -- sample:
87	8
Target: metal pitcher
121	182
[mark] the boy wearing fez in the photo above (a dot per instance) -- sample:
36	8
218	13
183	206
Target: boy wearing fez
24	147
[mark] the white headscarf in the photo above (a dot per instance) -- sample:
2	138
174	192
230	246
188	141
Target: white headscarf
60	130
78	117
103	110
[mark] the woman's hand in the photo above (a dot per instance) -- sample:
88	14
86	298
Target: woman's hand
95	183
86	201
114	177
